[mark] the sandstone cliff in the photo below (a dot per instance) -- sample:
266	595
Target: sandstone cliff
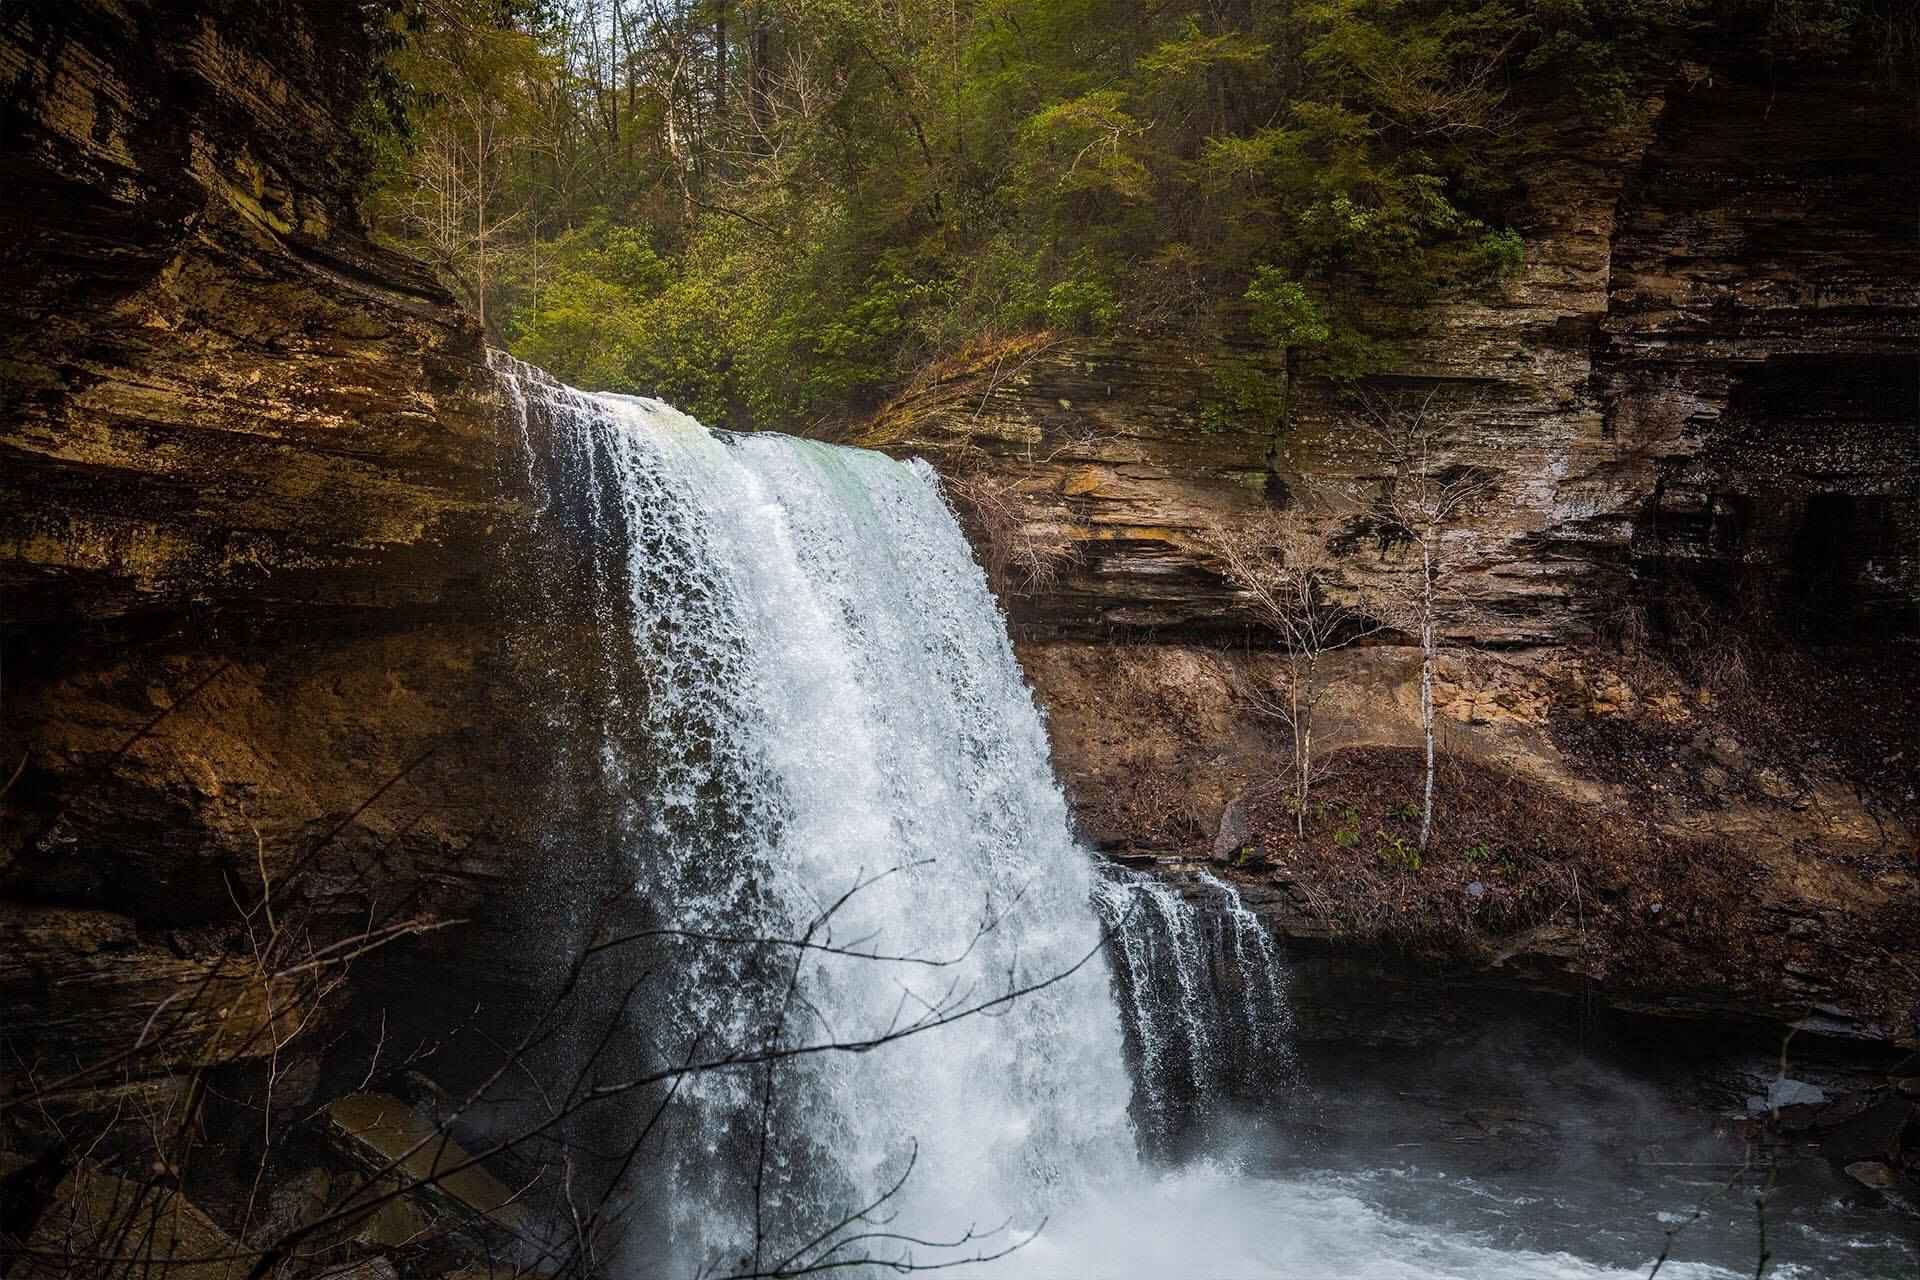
251	511
1698	414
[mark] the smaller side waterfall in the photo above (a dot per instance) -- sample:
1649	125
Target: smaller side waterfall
1204	1002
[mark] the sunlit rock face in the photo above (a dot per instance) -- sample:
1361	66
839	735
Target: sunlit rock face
213	385
1703	384
1709	357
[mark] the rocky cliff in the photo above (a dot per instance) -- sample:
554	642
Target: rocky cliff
251	512
1696	415
1710	355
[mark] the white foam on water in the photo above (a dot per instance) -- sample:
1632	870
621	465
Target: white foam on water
1213	1223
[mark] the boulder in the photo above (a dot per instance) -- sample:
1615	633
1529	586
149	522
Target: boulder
144	1009
1874	1134
440	1184
365	1269
1871	1173
143	1228
1234	830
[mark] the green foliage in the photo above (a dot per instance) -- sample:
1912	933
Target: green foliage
1397	852
1487	861
584	330
1497	255
1241	392
1282	312
1084	147
1082	306
783	210
1347	834
1353	353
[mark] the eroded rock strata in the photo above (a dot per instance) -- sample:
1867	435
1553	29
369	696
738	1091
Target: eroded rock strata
260	512
252	510
1699	416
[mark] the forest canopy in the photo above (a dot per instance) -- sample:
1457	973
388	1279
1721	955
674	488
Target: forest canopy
778	211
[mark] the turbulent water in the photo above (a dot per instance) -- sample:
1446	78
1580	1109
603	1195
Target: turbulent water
812	730
844	744
1203	1003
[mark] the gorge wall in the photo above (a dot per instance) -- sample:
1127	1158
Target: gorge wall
1710	354
261	595
252	516
1698	410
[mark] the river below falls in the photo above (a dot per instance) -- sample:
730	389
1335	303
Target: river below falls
1274	1216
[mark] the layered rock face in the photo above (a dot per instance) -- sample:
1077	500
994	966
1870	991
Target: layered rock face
1712	354
252	506
1762	344
1701	388
214	387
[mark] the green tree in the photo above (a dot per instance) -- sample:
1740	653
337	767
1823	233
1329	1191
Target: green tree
779	209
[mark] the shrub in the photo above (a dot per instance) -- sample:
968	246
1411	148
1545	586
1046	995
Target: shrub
1397	852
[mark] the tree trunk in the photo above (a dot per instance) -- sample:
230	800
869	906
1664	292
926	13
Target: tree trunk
1289	376
1302	748
1426	686
760	81
720	59
480	222
1304	757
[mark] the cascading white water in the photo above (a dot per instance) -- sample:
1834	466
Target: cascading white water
1202	990
838	709
813	728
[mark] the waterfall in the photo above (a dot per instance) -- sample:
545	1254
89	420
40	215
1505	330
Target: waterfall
822	707
1204	1001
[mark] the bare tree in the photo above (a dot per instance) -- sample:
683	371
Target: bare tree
264	1005
455	204
1026	546
1286	574
1027	540
1416	508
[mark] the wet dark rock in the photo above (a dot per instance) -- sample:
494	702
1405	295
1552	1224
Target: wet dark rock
365	1269
110	981
406	1151
1843	1109
145	1226
294	1199
1874	1134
